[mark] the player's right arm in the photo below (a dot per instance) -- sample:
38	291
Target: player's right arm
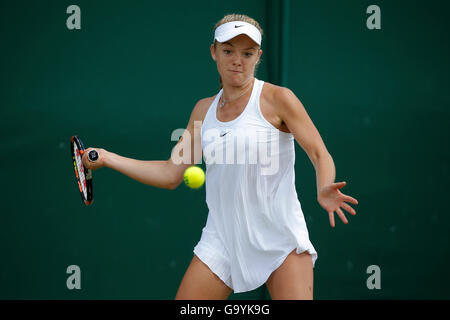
167	174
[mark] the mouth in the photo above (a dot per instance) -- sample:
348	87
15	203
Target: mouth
234	71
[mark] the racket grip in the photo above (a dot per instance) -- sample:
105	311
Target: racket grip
93	155
89	174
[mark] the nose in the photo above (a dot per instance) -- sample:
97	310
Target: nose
236	61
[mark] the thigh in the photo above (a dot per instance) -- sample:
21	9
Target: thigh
200	283
293	280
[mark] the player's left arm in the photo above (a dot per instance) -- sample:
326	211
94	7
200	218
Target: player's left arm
294	115
292	112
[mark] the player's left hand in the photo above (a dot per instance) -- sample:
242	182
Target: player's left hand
331	199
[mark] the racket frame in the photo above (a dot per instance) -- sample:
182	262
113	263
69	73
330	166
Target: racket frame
89	198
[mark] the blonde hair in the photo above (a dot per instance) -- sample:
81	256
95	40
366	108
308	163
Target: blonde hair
237	17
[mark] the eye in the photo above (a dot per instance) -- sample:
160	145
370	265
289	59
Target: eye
227	51
248	54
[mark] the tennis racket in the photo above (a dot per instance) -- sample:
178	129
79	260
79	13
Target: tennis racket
83	176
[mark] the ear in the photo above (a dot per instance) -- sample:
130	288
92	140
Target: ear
213	54
259	56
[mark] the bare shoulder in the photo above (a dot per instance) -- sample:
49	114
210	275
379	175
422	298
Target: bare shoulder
283	100
273	102
201	108
276	94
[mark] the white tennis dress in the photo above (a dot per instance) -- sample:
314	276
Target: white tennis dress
255	218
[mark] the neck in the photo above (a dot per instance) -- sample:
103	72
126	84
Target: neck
231	93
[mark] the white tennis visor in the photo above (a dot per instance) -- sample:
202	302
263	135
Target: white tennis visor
232	29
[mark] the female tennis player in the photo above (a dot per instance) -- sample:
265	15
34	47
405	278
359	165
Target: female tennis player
255	232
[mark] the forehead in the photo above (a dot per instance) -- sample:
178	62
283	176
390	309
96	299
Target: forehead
241	41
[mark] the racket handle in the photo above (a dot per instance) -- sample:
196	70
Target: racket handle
89	174
93	155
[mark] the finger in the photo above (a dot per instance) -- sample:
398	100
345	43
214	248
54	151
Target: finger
82	152
341	215
331	215
85	162
85	152
339	185
348	208
350	199
84	159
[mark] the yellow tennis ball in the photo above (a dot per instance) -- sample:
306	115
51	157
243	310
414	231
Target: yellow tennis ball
194	177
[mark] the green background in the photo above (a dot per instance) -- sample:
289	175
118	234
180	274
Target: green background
132	75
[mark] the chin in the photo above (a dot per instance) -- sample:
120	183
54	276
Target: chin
237	79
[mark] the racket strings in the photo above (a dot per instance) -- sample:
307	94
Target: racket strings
80	172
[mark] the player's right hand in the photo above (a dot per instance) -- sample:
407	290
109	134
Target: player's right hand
97	164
